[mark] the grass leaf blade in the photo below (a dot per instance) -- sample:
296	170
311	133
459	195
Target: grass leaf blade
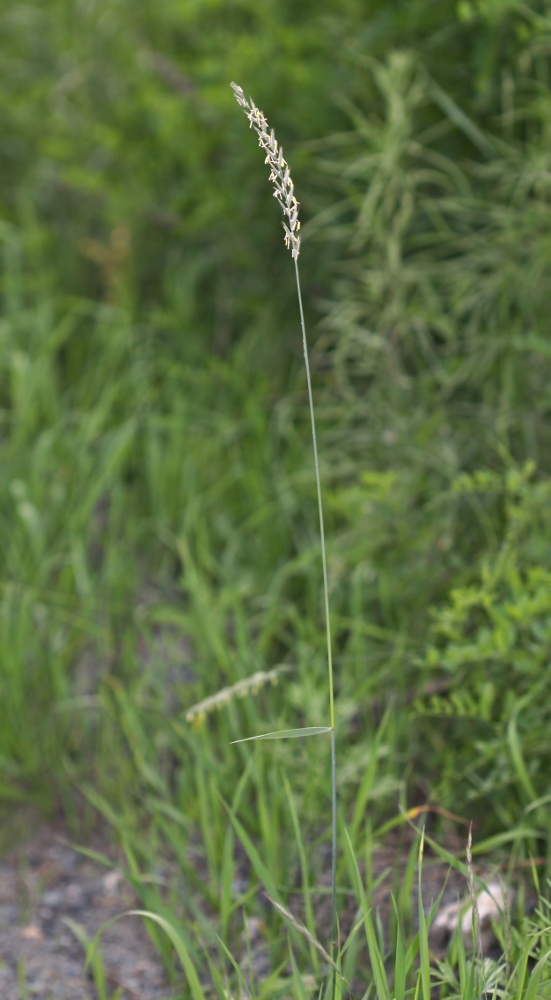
287	734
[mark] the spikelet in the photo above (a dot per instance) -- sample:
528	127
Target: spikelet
280	173
250	685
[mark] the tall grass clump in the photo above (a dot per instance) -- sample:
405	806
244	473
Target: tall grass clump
280	176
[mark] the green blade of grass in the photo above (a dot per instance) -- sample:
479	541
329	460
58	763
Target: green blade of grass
235	966
377	962
287	734
93	957
400	960
174	936
461	961
423	931
517	758
254	857
535	977
368	780
360	923
297	978
461	120
303	867
217	979
499	839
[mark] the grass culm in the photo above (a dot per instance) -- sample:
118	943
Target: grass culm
280	176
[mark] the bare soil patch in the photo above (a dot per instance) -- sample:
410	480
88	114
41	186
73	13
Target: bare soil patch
43	882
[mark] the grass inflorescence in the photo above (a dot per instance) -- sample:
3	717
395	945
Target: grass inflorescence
280	172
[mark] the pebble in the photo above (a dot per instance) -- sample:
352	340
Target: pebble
492	906
42	958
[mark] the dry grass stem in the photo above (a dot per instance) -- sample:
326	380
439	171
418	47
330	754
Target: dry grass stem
298	926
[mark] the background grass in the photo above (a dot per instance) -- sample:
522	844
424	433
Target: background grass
157	498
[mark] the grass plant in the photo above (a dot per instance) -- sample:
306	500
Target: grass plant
280	176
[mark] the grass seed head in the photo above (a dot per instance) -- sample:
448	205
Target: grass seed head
280	173
248	686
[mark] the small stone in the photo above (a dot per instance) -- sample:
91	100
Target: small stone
52	899
9	914
74	896
491	905
32	933
110	882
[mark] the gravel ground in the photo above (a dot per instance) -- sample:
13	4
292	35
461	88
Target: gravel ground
44	882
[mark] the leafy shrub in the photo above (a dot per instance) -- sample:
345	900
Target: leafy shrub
491	649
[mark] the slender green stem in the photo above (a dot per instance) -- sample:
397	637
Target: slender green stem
327	630
320	507
333	841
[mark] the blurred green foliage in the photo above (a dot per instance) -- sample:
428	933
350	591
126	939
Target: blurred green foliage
492	642
117	129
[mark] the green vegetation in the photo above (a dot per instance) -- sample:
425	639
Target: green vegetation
158	509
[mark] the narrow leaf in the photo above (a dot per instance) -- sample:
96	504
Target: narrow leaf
94	960
252	853
377	963
400	962
535	977
235	965
175	938
423	930
288	734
